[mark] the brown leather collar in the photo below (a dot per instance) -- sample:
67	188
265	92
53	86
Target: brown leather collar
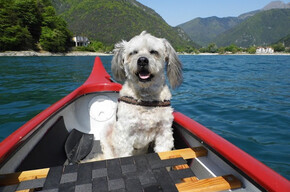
131	100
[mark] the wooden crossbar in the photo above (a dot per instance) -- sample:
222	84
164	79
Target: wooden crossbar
187	153
26	190
210	185
15	178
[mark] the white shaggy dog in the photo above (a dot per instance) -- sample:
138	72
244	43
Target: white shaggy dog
144	114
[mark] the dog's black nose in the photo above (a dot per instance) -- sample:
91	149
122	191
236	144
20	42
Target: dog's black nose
142	61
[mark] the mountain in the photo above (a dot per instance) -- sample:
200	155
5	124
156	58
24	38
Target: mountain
264	28
248	14
285	41
271	5
110	21
204	30
207	30
276	5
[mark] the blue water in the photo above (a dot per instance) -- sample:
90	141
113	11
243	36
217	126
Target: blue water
245	99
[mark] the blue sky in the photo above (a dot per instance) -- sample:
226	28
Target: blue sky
175	12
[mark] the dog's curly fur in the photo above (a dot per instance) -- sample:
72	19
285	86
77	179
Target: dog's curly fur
141	63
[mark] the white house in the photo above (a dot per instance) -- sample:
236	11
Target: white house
264	50
81	41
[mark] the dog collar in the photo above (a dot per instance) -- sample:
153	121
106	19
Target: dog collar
131	100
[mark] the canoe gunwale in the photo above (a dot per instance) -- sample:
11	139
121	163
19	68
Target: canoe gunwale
223	158
253	168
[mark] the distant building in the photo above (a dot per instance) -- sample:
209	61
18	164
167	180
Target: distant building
81	41
264	50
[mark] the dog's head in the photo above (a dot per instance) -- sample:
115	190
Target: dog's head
143	60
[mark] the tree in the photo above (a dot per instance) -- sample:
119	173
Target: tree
232	48
52	40
252	50
29	17
49	17
55	37
221	50
97	46
212	48
22	23
279	47
15	38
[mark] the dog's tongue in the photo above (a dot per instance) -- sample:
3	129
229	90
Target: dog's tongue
144	75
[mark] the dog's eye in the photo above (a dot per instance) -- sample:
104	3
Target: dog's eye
133	53
153	52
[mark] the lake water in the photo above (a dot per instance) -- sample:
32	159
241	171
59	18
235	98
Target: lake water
245	99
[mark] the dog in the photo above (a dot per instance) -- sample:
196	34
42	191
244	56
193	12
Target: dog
144	114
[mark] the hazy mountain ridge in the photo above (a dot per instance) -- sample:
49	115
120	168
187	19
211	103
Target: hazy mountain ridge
204	30
271	5
220	30
276	5
262	29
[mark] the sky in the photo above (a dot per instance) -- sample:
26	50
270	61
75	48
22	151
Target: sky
176	12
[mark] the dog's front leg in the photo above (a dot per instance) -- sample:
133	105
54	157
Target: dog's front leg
164	140
122	142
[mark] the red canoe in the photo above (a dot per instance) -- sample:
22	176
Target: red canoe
40	142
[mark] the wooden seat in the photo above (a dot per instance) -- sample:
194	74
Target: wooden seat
15	178
187	153
221	183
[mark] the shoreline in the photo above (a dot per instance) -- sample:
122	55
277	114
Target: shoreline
242	53
84	53
45	54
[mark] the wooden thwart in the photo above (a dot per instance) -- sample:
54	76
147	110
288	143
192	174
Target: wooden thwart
187	153
15	178
210	185
26	190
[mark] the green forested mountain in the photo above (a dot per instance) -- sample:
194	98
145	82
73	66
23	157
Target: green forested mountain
32	24
285	41
109	21
263	28
204	30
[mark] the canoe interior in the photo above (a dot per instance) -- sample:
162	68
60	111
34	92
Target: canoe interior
45	146
90	113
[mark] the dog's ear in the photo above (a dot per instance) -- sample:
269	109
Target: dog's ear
117	66
174	66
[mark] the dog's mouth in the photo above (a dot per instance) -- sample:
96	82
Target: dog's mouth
144	75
